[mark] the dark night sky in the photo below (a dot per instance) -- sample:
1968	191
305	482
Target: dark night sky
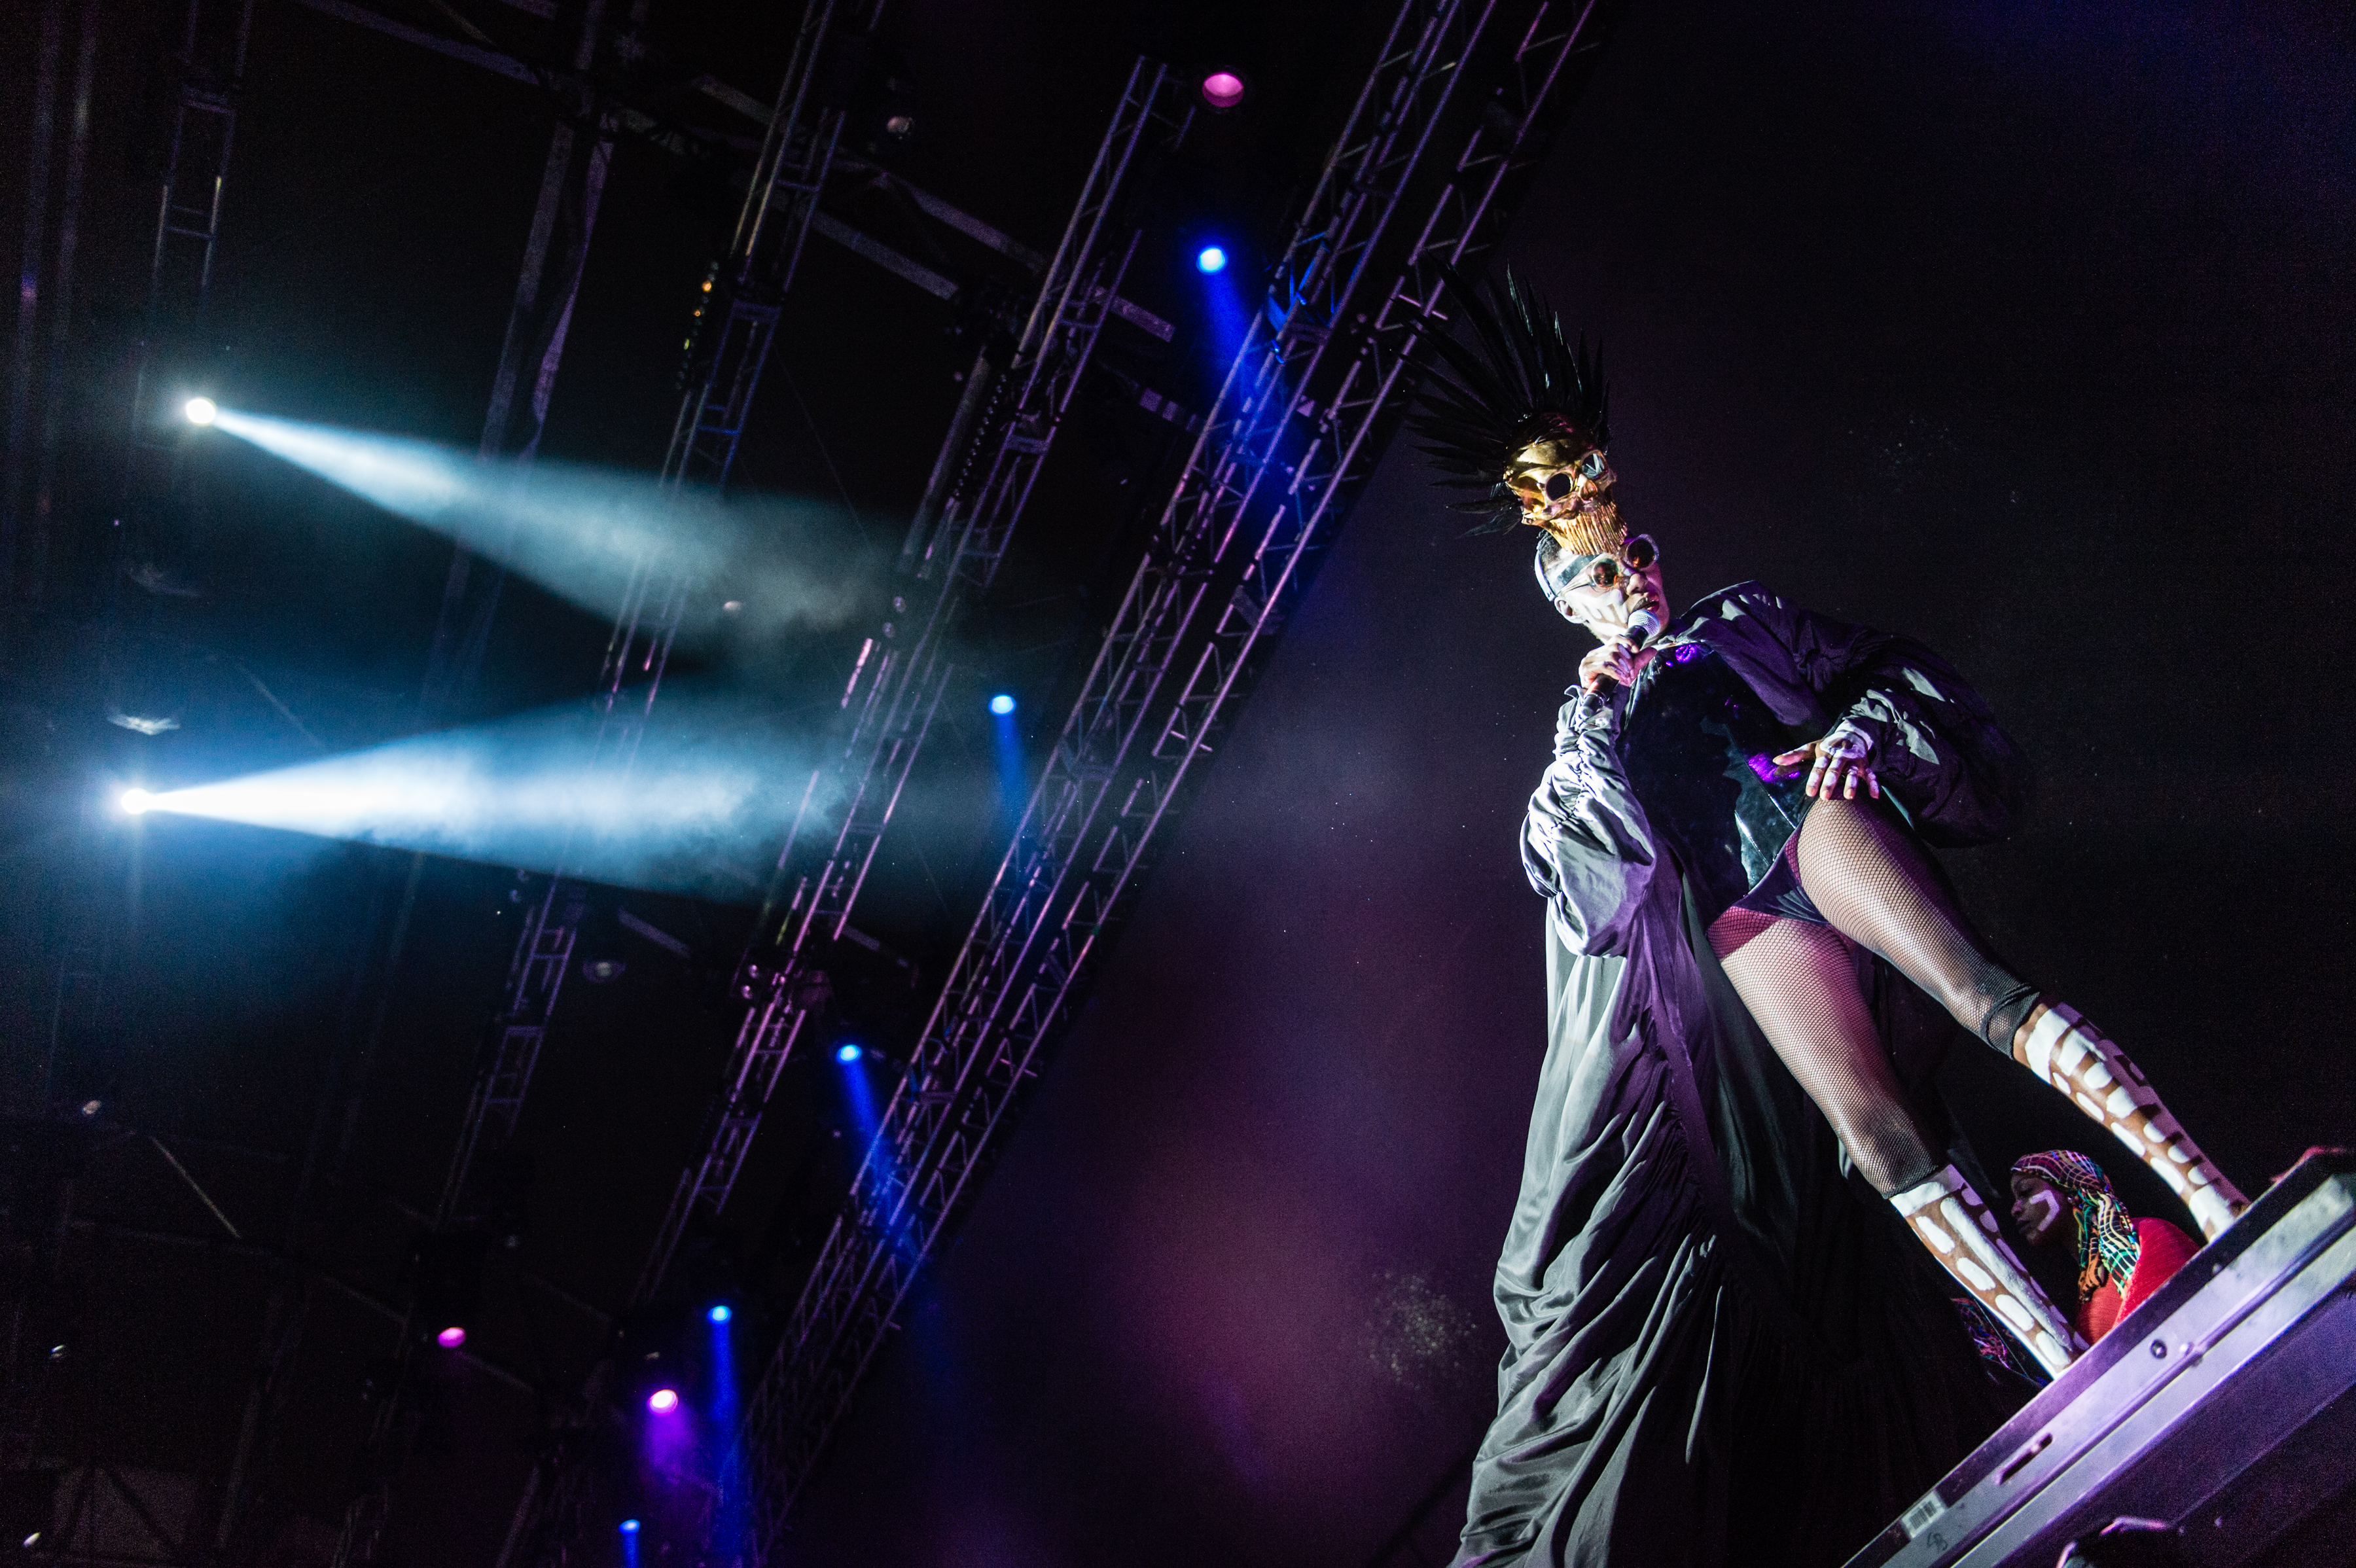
2026	330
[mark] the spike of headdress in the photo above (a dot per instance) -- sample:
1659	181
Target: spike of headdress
1521	379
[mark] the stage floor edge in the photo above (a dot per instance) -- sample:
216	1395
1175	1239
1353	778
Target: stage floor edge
2225	1404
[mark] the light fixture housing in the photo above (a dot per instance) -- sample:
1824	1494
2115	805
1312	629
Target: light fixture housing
1222	88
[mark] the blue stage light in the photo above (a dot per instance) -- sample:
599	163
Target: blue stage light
1210	259
1002	704
136	801
720	1312
848	1051
629	1527
200	410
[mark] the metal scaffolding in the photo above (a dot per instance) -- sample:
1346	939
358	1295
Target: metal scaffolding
898	681
85	895
751	282
1444	134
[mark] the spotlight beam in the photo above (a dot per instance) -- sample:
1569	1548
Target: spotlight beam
697	812
589	534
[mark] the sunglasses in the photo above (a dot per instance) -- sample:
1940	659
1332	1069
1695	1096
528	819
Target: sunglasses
1561	482
1634	556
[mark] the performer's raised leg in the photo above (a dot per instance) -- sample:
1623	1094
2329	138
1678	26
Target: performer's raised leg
1799	982
1872	882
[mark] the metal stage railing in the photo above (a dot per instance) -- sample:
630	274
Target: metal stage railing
1445	131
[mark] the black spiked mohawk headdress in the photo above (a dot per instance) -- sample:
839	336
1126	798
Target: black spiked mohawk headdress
1520	381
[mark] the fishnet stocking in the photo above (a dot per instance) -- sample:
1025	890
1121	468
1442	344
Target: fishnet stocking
1799	981
1876	886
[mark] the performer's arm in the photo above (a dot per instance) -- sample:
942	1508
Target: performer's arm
1586	845
1925	733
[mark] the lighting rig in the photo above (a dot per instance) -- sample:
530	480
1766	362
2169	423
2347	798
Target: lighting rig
1445	133
764	251
959	536
153	497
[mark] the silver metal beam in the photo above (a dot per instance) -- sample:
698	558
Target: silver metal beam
1322	380
898	679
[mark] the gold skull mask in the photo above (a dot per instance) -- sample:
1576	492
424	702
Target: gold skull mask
1565	486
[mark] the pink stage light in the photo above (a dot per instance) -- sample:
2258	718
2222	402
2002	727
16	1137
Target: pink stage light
1223	89
662	1402
451	1338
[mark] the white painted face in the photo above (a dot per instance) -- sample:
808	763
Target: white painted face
1603	606
2036	1208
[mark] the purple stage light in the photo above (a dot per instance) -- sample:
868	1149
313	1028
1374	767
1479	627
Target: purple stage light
662	1402
451	1338
1223	89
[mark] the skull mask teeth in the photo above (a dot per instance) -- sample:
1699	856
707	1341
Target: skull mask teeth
1566	488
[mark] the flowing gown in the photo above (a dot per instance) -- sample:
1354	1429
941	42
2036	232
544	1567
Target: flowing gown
1723	1347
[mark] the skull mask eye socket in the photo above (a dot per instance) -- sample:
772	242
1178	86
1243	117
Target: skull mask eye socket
1591	466
1557	486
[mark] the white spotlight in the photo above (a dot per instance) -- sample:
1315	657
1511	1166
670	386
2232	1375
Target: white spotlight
200	410
135	801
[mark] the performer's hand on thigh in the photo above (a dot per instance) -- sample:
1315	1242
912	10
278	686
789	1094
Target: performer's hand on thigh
1839	762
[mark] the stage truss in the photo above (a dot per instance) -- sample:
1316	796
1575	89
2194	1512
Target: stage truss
1444	133
896	683
889	704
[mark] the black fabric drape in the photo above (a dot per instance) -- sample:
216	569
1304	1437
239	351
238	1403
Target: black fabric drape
1723	1347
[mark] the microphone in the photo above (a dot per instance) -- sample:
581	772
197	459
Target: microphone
1640	628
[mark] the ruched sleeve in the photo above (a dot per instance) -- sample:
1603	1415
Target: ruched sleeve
1586	846
1936	744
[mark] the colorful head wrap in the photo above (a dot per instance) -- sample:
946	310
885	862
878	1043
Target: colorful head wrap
2108	1243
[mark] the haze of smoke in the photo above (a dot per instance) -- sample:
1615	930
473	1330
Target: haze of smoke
582	532
702	808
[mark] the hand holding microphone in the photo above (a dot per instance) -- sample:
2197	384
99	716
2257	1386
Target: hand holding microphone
1613	663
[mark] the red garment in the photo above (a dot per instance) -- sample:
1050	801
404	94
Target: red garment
2165	1250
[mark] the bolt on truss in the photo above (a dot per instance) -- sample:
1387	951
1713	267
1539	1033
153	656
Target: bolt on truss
898	681
1423	176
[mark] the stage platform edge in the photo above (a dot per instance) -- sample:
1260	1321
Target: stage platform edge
2225	1404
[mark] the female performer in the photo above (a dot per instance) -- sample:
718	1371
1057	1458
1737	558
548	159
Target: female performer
1745	792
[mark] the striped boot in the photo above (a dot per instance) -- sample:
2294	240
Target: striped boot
2071	1055
1960	1233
